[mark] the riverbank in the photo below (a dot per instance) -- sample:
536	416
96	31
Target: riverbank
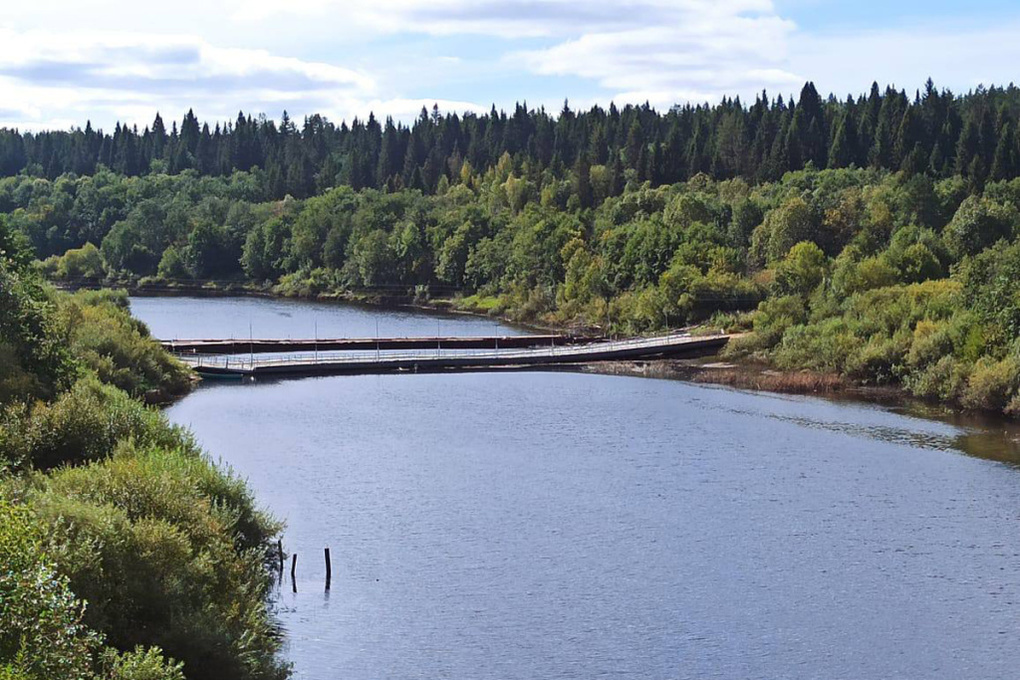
746	375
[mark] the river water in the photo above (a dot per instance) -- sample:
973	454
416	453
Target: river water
564	525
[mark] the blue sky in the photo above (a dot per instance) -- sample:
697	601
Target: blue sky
62	63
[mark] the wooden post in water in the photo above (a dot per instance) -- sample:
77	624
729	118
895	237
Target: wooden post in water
279	549
293	571
329	569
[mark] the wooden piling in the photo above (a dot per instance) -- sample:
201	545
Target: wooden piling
329	568
293	571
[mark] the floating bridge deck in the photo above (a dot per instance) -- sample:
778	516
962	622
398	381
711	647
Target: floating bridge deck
437	357
264	346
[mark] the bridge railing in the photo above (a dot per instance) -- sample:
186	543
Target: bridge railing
243	363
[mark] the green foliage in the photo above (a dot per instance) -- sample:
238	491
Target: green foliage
978	224
43	634
98	329
825	346
879	361
41	631
78	263
992	384
775	316
140	664
577	159
155	543
802	270
125	540
851	275
917	254
990	290
173	264
33	363
85	423
792	222
746	216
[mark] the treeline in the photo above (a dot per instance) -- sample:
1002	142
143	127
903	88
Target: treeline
931	131
882	278
125	554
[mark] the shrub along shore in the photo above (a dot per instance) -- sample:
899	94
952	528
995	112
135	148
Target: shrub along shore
125	553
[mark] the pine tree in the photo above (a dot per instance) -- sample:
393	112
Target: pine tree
1004	161
582	181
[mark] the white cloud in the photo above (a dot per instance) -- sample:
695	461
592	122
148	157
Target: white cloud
344	58
499	18
733	50
125	76
99	59
709	50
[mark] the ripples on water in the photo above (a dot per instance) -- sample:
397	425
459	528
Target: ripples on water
559	525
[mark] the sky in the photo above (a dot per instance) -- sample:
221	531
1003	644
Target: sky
63	63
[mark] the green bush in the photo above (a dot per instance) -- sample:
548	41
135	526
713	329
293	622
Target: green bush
978	224
99	330
992	384
41	631
775	316
880	361
801	270
34	363
167	556
931	340
16	383
825	346
81	263
989	289
945	379
84	424
140	664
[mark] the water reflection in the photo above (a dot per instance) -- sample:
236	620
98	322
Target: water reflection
903	421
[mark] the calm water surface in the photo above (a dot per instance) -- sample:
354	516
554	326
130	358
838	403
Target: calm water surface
560	525
175	318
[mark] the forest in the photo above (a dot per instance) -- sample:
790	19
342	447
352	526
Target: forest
868	238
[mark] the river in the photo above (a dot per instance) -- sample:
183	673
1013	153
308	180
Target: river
566	525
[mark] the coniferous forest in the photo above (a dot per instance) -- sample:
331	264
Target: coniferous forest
930	131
